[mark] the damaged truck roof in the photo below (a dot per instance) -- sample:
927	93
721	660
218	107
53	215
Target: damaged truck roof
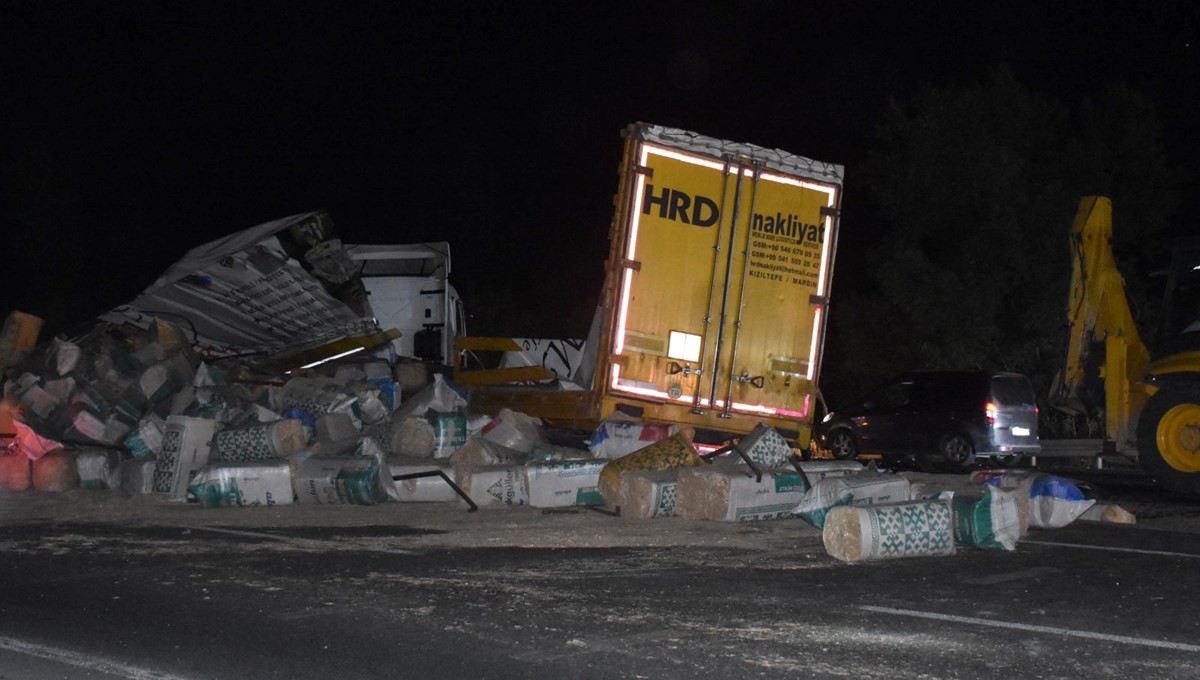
279	287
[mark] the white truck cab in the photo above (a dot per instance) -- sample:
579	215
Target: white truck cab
408	289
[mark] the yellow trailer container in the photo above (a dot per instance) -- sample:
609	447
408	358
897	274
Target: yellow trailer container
715	301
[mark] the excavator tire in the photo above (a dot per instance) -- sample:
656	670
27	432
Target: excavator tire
1168	438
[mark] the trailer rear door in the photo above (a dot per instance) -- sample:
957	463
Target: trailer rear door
727	264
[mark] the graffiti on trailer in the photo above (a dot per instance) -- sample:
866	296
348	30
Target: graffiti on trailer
560	357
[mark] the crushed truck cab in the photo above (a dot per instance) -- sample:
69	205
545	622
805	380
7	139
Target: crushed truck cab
714	307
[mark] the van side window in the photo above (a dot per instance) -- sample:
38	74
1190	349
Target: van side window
896	395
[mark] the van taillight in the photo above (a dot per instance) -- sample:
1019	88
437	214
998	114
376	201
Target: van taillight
990	409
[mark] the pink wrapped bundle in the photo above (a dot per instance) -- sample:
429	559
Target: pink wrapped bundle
14	472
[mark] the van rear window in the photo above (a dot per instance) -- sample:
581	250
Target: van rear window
1011	391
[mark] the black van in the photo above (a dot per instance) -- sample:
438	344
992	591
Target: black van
938	417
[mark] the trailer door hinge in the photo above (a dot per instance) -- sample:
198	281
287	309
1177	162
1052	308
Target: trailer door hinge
830	211
632	264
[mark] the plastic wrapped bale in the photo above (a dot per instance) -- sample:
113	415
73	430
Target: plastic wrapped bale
422	489
64	356
263	441
438	396
766	447
1108	513
165	378
145	441
478	452
187	443
926	485
372	405
1053	502
645	495
332	427
493	486
414	437
136	476
673	452
989	520
15	474
615	437
41	403
449	434
243	483
411	377
514	430
338	480
97	468
891	530
816	470
18	336
554	484
556	452
731	493
866	488
317	396
55	472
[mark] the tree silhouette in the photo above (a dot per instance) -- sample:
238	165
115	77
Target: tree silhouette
973	190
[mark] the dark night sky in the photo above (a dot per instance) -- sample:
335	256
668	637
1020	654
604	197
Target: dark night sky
135	130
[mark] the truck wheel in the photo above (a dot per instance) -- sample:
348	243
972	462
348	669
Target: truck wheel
842	445
1168	438
956	450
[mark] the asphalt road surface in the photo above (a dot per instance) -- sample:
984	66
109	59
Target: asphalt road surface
127	589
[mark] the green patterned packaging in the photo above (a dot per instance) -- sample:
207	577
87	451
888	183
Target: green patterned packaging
732	494
766	447
866	488
990	521
648	494
673	452
892	530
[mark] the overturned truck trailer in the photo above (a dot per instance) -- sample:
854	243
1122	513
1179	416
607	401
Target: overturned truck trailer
714	306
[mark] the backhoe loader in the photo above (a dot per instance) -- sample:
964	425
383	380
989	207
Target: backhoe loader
1150	406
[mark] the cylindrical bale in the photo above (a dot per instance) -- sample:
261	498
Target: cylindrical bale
673	452
55	472
96	467
261	442
928	485
137	476
888	531
986	519
643	494
15	472
414	436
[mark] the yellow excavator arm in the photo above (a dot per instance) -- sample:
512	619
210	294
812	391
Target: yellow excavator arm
1098	315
